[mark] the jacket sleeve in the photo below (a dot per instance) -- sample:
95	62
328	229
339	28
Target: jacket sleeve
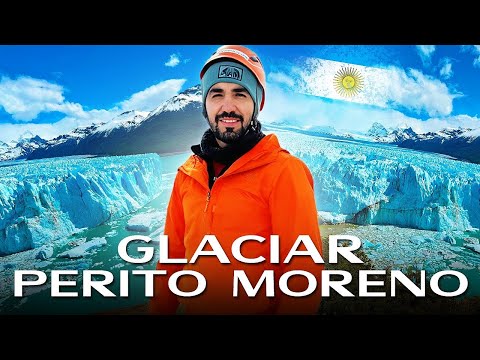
294	213
164	301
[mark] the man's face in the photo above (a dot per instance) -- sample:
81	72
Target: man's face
229	110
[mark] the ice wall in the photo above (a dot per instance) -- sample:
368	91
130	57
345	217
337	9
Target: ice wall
367	183
46	200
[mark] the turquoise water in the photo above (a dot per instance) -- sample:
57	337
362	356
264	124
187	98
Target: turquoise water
471	258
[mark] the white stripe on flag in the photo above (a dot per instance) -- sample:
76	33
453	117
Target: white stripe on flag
317	77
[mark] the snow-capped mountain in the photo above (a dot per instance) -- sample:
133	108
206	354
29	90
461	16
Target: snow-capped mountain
22	148
126	120
397	136
174	126
180	101
463	144
379	133
377	130
178	123
4	147
460	143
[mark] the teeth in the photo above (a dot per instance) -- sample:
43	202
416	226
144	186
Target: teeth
229	121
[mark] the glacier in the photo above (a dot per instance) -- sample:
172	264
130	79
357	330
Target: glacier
382	184
411	202
357	182
42	201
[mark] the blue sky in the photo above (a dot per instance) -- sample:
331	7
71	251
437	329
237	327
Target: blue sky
49	90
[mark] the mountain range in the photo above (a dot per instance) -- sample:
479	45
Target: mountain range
459	143
178	123
172	127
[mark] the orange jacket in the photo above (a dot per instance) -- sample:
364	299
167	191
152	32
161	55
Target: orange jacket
266	191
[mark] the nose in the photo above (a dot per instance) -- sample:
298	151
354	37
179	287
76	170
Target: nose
228	104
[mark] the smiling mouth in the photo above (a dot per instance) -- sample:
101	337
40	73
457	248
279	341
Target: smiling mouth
229	121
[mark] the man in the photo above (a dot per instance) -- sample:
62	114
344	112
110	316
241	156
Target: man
240	182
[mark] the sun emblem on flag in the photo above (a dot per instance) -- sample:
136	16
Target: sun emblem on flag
348	81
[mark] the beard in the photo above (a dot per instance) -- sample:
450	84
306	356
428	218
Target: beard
230	135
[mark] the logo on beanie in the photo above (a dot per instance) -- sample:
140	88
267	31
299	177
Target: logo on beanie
228	71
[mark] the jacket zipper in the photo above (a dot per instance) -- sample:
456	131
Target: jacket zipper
214	179
209	194
208	200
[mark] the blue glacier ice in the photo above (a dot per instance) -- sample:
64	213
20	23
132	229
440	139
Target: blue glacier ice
46	200
369	183
357	182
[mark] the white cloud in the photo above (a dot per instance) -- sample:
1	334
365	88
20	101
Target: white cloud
145	100
306	110
281	78
173	61
421	93
383	87
155	95
446	70
25	98
426	52
475	50
464	121
10	132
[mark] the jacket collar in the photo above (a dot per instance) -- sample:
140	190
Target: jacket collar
265	152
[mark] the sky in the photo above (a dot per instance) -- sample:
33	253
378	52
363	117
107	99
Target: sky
49	90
